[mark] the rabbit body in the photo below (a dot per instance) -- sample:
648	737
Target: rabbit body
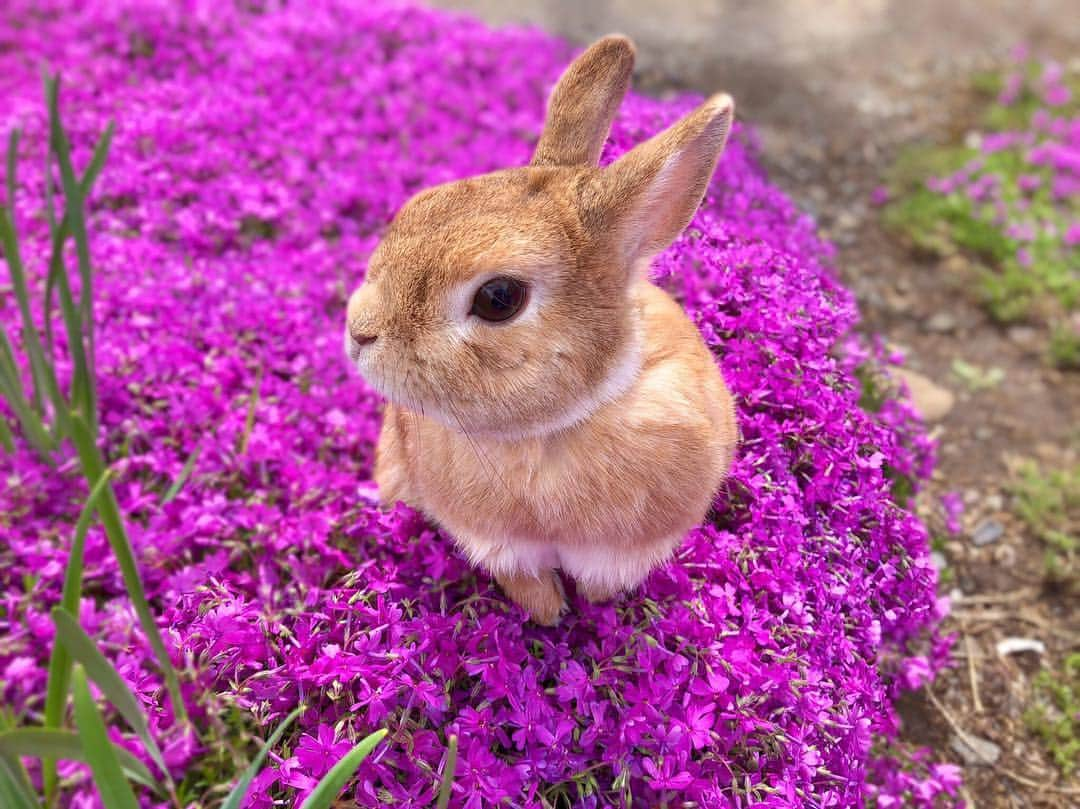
548	405
605	499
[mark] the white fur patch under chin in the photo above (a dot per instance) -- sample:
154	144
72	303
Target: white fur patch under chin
617	382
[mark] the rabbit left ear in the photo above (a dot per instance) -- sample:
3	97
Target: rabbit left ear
583	104
649	195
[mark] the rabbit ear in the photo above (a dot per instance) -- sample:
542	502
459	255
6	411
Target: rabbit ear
583	104
650	194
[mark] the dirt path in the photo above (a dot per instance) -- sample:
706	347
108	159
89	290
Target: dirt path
836	89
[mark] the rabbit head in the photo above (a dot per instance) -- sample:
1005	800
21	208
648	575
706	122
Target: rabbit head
499	304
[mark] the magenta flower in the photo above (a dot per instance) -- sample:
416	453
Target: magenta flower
258	155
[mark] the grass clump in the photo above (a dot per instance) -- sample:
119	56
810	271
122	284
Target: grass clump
1049	502
1055	716
1064	346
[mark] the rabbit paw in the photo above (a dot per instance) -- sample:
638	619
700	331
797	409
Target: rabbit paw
541	595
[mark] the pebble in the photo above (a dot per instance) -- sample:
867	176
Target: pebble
941	322
1011	646
939	560
987	532
974	750
1023	336
930	399
847	221
956	263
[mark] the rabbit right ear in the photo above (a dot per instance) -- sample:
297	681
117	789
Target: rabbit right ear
583	104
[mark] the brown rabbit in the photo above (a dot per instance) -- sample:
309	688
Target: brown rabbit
549	406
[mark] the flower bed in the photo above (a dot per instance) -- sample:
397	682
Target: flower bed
258	154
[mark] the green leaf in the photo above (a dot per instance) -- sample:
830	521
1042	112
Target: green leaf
67	745
7	440
115	791
82	387
12	165
241	788
185	473
74	199
249	420
50	210
12	391
93	467
59	680
39	371
329	788
79	322
83	650
60	234
449	770
14	791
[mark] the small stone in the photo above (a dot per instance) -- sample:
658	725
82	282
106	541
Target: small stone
994	502
930	399
1011	646
847	221
975	750
939	560
956	263
941	322
987	532
984	433
1023	336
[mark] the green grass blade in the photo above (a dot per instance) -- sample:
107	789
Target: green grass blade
67	745
249	420
12	390
59	679
329	788
57	279
448	774
181	479
50	209
14	792
112	785
12	166
73	206
72	589
97	161
79	321
59	233
39	370
236	796
93	467
31	341
7	440
84	651
82	397
16	789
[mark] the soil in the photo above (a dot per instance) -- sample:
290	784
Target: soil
836	89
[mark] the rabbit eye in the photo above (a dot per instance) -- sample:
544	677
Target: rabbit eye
499	299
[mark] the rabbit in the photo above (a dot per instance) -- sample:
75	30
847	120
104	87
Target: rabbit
547	405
